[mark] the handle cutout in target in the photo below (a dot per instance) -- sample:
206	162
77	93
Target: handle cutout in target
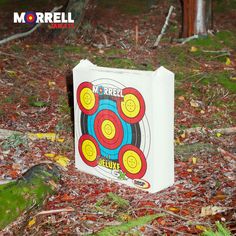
124	125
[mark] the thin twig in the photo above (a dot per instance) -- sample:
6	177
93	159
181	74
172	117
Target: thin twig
221	55
164	27
172	214
12	55
175	231
189	39
194	60
24	34
219	51
225	153
225	131
166	228
136	34
68	209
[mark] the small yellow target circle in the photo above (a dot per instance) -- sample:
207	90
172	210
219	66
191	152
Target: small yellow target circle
130	106
89	150
87	98
132	162
108	129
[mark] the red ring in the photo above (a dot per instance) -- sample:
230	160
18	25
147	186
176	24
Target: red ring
143	169
141	102
79	89
81	140
117	139
28	18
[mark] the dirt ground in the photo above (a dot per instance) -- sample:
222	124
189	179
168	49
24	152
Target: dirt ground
34	98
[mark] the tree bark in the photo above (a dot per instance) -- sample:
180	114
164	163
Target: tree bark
197	17
30	190
77	9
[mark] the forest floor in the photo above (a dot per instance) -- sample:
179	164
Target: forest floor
34	98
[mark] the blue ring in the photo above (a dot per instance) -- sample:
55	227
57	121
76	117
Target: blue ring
127	131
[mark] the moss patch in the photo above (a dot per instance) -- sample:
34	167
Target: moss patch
17	197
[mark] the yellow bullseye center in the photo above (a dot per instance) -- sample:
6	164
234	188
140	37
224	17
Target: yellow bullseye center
87	98
108	129
30	17
130	106
89	150
132	162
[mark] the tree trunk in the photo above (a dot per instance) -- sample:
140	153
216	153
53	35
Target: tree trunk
197	17
30	190
77	9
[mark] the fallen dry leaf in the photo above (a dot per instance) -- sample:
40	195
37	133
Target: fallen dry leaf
212	210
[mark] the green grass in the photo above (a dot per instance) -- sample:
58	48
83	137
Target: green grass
124	63
126	227
16	48
63	105
69	48
222	78
3	2
2	113
220	231
35	101
224	5
220	40
117	200
175	58
115	52
227	38
131	7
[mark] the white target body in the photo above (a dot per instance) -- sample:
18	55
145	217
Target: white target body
124	125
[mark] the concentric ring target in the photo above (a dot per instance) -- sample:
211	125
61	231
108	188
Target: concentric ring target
132	108
86	99
108	129
113	129
109	147
132	162
89	150
30	17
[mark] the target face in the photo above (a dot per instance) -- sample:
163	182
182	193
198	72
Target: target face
108	129
114	129
87	100
132	162
89	150
30	17
132	108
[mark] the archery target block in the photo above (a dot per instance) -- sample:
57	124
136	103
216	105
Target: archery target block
124	125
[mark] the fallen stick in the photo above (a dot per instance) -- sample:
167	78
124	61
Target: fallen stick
190	221
164	27
185	40
225	131
216	52
12	55
225	153
24	34
68	209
